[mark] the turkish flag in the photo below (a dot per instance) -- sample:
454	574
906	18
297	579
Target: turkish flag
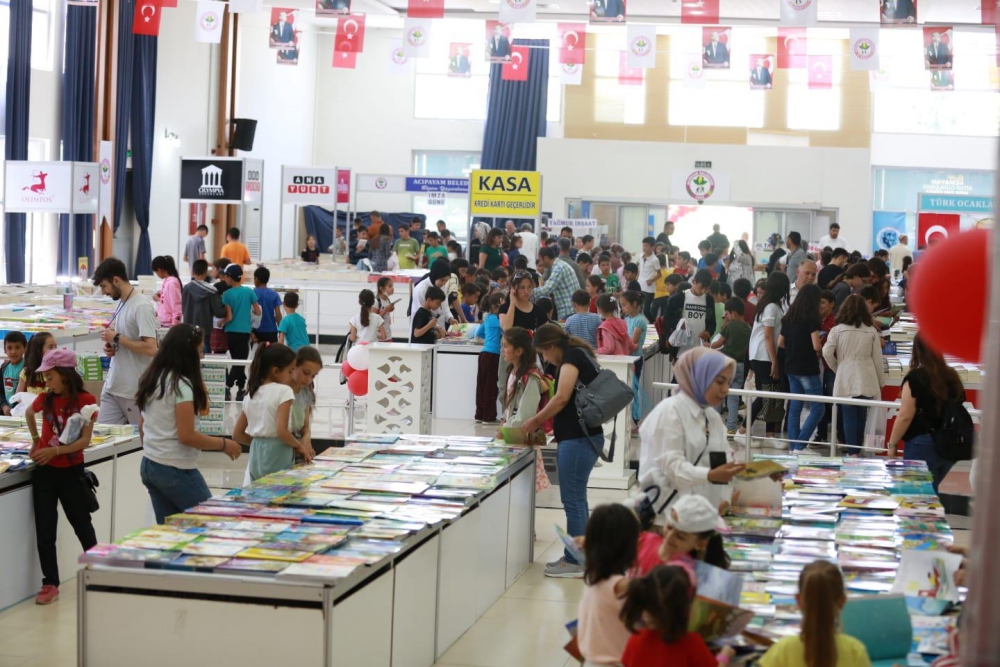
936	227
988	11
345	59
425	9
572	43
351	30
628	76
516	69
792	48
820	72
700	11
146	20
168	4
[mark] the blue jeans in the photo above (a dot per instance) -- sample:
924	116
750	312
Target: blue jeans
854	425
804	384
733	401
921	448
575	459
172	490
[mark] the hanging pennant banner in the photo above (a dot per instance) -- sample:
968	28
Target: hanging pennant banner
864	49
498	36
570	74
146	20
899	11
705	12
820	72
792	48
425	9
942	79
939	47
345	59
517	11
399	62
458	60
246	6
288	56
334	7
628	76
799	12
516	69
694	73
641	42
282	28
417	38
761	71
715	43
880	79
573	42
351	32
607	11
989	10
104	170
208	21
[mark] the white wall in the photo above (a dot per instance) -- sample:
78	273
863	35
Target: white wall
184	94
365	118
282	99
837	178
923	151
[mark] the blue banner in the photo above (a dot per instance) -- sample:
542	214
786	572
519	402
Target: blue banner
425	184
955	204
887	226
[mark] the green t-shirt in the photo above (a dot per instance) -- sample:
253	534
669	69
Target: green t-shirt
433	253
404	248
240	300
737	335
494	257
612	284
293	326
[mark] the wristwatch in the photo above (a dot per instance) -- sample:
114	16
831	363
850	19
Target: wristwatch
117	336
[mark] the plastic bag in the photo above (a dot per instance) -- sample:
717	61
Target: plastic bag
875	426
392	264
21	402
75	423
681	337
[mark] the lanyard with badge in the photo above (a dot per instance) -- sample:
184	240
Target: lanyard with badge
118	310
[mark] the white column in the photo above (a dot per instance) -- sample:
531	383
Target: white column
617	474
399	388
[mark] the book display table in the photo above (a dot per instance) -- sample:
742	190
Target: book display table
344	606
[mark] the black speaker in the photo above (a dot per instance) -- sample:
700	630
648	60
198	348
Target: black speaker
243	135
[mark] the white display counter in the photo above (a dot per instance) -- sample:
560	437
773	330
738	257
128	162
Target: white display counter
125	507
404	611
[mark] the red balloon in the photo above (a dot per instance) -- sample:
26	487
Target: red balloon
358	383
346	368
952	316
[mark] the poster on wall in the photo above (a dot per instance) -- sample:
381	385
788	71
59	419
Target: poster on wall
282	34
761	70
458	60
938	47
498	36
887	227
942	79
898	11
607	11
334	7
715	47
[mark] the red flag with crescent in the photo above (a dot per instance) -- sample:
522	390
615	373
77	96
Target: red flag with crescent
705	12
516	69
146	20
792	48
351	30
572	43
821	72
344	58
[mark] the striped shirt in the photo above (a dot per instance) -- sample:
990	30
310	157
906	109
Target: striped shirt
559	286
584	326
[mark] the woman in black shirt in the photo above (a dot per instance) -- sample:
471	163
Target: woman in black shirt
927	388
519	311
577	453
800	329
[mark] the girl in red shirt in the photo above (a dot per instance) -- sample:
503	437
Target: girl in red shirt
57	477
656	611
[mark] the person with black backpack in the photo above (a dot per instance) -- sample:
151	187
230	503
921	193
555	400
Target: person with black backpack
932	421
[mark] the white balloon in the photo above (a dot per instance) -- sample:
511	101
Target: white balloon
357	357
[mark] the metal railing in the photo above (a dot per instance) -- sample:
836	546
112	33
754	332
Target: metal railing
750	394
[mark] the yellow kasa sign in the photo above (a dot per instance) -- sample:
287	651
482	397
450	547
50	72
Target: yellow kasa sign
502	193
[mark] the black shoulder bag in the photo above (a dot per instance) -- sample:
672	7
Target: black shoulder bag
598	402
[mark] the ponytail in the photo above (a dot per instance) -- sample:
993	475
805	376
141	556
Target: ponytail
275	355
367	301
821	594
549	335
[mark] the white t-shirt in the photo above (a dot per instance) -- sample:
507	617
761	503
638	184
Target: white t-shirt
648	266
832	243
136	319
529	247
771	317
694	316
159	428
367	334
262	409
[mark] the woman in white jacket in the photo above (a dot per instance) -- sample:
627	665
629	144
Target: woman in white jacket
684	435
853	351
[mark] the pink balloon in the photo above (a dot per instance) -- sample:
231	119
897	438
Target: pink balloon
358	383
346	368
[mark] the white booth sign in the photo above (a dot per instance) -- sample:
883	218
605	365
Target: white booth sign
253	179
304	186
50	187
380	183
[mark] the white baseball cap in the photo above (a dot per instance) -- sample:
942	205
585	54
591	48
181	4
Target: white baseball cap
695	514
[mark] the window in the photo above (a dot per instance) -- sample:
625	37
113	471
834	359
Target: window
613	102
455	210
41	34
438	96
907	105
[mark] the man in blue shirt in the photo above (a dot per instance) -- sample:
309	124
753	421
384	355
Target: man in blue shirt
270	307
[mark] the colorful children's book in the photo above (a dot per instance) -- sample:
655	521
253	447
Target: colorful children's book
761	468
927	579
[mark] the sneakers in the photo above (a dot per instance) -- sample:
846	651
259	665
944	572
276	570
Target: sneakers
775	444
563	569
49	594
